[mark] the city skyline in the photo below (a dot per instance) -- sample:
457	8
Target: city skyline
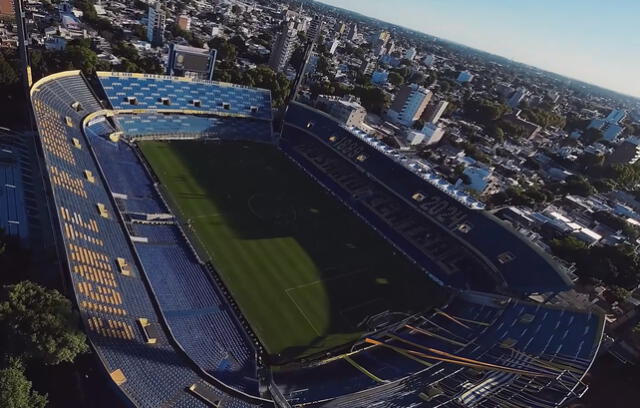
561	37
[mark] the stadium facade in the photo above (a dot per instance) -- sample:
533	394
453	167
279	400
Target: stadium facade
169	334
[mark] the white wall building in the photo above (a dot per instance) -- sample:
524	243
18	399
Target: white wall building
334	46
415	138
346	110
432	133
616	116
410	54
434	114
409	104
517	97
429	60
481	179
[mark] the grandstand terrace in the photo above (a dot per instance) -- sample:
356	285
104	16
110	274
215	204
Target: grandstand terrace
118	307
16	186
138	91
503	259
478	350
168	334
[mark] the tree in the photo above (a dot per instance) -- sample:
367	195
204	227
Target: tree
417	78
125	50
8	75
591	135
15	388
484	111
82	58
619	294
265	77
544	118
226	51
372	98
127	65
39	323
323	65
579	186
396	79
297	58
613	265
496	132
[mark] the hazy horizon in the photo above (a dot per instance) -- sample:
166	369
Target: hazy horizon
563	37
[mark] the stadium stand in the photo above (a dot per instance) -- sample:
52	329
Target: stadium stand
506	259
137	126
112	293
164	327
16	187
479	350
138	91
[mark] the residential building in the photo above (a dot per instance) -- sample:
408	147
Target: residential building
409	104
616	116
480	179
390	47
334	46
315	28
7	11
382	36
380	77
367	67
553	96
465	76
283	48
346	110
432	133
429	60
517	97
156	24
610	126
530	129
379	42
414	137
184	22
353	33
627	152
433	112
410	54
610	130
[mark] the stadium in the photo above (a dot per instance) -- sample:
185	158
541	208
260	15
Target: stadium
216	263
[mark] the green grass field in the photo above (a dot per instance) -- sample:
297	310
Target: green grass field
303	269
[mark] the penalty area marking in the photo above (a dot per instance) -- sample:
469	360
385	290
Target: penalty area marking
294	288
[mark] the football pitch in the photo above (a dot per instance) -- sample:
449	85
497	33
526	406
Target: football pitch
304	270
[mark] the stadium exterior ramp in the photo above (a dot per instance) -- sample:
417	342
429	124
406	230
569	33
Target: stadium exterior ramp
118	306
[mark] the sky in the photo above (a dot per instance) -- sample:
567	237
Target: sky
596	41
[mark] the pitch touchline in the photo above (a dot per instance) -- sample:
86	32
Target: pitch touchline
302	312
